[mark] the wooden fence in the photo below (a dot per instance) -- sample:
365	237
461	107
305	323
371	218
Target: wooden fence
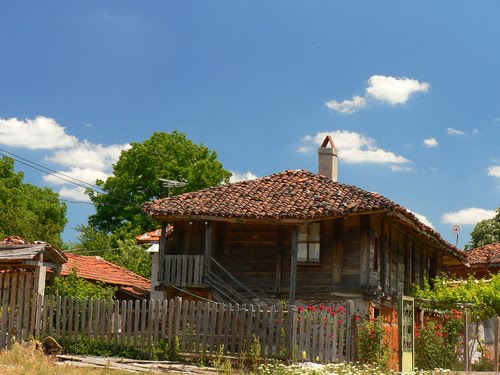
200	327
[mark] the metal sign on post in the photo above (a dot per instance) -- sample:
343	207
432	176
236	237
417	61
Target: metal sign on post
406	334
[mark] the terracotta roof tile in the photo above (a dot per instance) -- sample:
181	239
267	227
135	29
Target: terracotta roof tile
294	194
98	269
484	255
154	236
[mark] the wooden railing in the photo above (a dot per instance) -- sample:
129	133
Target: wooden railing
184	270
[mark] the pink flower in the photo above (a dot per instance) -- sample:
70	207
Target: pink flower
321	307
300	308
341	309
358	318
339	322
329	309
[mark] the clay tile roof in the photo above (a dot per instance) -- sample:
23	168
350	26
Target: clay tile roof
154	236
484	255
98	269
294	194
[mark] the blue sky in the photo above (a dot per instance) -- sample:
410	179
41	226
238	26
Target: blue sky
410	92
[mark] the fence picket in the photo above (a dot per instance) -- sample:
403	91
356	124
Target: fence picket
199	326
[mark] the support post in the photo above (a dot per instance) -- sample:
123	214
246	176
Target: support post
497	343
466	341
293	264
162	251
208	246
40	276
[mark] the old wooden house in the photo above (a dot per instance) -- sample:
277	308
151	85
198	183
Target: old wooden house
294	235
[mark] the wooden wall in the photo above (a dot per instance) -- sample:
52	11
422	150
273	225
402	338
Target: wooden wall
366	253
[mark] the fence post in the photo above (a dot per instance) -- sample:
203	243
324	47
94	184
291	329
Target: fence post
351	328
466	341
496	339
292	330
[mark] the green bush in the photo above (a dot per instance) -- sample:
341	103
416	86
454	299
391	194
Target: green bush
373	343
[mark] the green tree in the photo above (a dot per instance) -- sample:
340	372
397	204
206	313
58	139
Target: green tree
135	180
485	232
125	253
77	287
27	210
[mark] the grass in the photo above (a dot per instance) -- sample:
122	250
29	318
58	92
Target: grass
26	359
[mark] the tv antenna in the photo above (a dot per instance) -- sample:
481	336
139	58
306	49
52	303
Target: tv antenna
171	183
456	229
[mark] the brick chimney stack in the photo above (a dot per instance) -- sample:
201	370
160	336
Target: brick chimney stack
328	159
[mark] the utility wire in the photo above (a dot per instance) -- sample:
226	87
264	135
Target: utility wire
51	171
62	176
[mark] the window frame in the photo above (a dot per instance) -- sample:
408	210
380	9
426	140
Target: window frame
308	231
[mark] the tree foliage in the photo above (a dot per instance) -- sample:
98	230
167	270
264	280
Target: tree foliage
125	253
485	232
29	211
77	287
446	292
135	180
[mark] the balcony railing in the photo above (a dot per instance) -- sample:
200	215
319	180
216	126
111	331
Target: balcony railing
184	270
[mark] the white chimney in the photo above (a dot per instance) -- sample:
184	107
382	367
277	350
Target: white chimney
327	158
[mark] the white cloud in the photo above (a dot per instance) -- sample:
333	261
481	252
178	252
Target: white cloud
470	216
87	175
304	149
430	142
401	168
74	194
356	148
494	170
236	177
385	89
394	90
347	106
88	155
39	133
422	218
452	131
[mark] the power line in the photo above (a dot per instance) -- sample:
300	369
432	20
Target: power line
62	176
51	171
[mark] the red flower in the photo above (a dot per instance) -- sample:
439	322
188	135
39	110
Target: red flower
341	309
339	322
321	307
300	308
329	309
333	313
358	318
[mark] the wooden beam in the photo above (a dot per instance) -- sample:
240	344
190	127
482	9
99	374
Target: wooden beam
337	252
208	246
279	260
162	251
293	264
364	254
45	264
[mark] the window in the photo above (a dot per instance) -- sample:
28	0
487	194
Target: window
309	241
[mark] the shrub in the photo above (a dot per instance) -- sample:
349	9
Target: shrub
373	343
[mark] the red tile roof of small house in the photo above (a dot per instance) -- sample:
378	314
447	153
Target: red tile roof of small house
290	196
96	268
154	236
485	255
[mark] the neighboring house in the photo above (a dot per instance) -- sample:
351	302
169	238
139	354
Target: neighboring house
153	238
295	235
483	261
94	268
23	265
